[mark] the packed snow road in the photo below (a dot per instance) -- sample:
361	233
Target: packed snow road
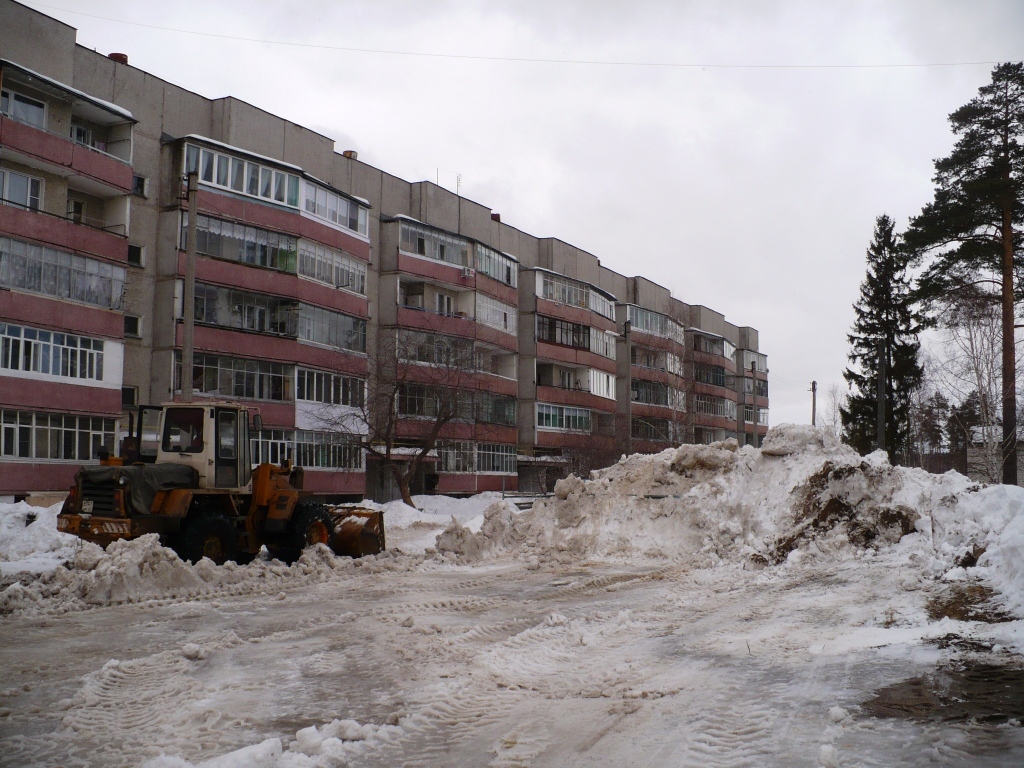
500	665
794	606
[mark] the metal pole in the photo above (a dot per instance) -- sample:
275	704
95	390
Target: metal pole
814	403
189	301
880	430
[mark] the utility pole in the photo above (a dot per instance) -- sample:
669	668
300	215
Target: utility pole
753	399
189	309
880	431
814	403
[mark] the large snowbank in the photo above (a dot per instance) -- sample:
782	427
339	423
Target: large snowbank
802	494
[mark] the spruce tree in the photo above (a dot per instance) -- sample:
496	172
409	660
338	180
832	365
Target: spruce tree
972	229
885	326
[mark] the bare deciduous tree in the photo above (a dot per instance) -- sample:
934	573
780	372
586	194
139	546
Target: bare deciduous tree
419	383
835	401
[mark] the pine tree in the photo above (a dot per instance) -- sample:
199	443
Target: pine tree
885	325
973	226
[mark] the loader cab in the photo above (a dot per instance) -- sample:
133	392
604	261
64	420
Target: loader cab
213	438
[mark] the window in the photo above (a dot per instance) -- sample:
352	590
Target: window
714	345
328	450
457	456
52	354
246	311
23	109
496	314
139	185
648	392
445	304
334	208
135	255
760	361
132	326
227	427
655	323
330	388
332	329
236	377
714	406
272	446
80	134
762	416
76	210
710	374
237	242
453	352
237	175
434	402
28	435
563	332
500	266
129	397
646	428
602	343
492	408
334	268
564	290
20	190
49	272
602	384
563	418
491	457
183	430
434	244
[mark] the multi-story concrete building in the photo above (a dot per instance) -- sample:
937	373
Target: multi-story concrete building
310	265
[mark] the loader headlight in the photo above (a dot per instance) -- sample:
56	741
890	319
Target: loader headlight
122	480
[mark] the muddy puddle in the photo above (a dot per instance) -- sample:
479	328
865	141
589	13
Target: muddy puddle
967	602
977	692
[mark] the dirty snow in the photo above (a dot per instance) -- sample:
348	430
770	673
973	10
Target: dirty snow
706	606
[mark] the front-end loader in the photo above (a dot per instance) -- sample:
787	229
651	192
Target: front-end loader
185	473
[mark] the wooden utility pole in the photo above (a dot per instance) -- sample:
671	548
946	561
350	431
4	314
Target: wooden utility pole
189	301
814	403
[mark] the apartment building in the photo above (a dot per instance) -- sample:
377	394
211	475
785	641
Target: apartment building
320	280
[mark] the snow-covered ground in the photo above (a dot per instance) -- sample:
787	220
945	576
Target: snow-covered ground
794	606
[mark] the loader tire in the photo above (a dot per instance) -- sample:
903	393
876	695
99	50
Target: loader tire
210	536
310	524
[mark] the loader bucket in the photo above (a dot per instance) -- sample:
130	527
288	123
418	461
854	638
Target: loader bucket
357	532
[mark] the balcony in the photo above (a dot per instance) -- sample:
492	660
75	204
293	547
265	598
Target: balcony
63	232
102	173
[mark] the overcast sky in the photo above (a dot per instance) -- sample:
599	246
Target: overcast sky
749	184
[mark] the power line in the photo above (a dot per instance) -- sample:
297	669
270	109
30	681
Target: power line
518	59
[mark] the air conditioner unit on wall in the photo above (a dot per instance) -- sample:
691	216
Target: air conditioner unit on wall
468	272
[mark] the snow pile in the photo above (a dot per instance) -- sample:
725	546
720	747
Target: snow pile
313	747
29	540
133	571
803	493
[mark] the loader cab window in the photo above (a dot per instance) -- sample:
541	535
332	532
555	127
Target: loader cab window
183	430
227	449
149	433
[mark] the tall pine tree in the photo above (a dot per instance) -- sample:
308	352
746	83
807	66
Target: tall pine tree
973	228
885	325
